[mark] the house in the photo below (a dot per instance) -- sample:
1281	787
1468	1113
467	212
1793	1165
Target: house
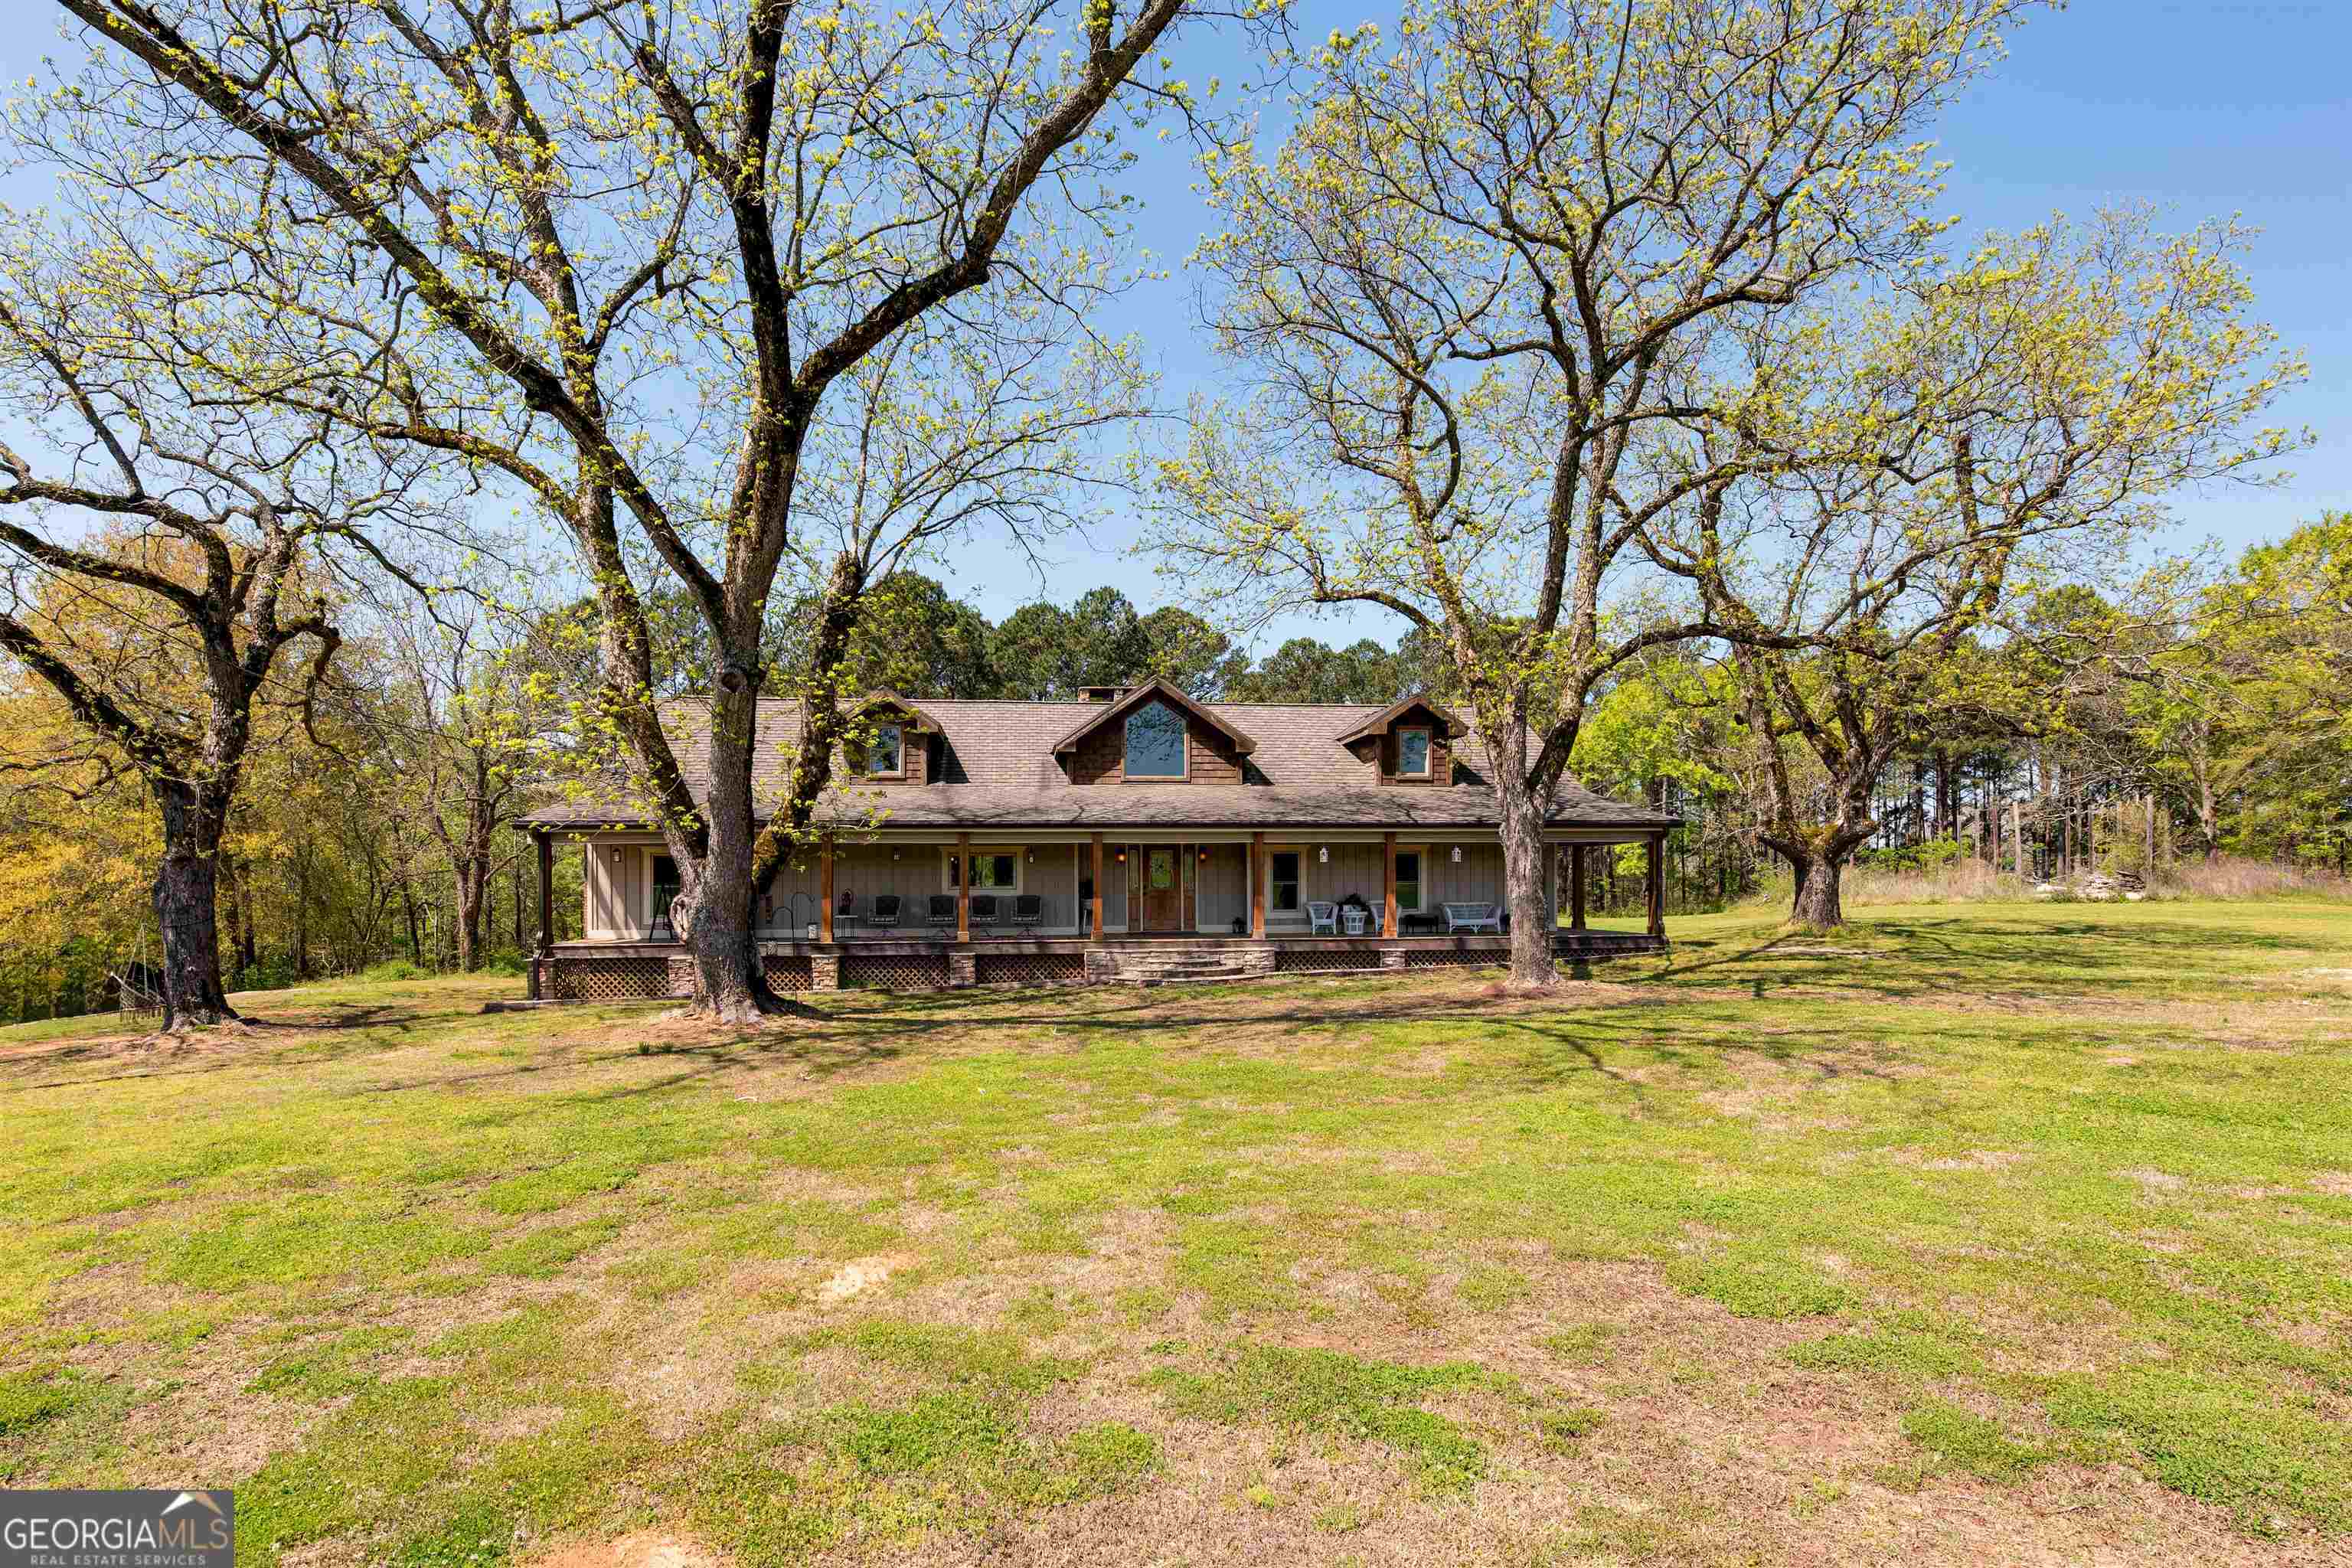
1138	835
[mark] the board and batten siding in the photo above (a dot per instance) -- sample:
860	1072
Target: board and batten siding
1362	869
614	890
1223	881
865	870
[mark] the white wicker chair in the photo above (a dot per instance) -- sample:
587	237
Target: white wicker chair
1322	918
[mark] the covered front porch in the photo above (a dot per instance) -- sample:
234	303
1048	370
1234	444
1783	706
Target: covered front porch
913	910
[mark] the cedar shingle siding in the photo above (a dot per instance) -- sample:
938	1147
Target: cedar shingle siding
1209	758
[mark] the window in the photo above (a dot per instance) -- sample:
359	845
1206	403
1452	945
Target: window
990	873
1408	879
886	754
1283	883
1155	743
1412	753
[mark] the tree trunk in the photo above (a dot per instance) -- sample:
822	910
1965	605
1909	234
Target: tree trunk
302	915
250	954
713	911
187	911
1818	904
227	902
1521	828
473	882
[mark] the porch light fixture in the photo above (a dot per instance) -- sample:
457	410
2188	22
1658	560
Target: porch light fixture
1032	857
1323	854
1204	854
1457	855
1122	857
893	852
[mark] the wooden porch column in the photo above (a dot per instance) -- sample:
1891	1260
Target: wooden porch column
1657	884
1552	887
1098	887
1388	883
824	891
535	987
964	887
1257	886
546	893
1576	887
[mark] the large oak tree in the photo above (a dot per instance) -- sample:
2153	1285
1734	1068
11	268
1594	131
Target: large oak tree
753	291
1501	252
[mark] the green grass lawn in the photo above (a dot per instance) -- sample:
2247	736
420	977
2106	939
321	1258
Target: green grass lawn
1968	1234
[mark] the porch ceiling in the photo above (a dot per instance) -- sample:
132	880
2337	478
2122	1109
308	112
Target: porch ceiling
1087	809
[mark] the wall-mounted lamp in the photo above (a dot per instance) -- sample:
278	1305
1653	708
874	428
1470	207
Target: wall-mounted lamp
1122	857
1457	855
1323	854
1032	857
1204	854
893	852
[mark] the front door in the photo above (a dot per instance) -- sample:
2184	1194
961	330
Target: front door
1163	888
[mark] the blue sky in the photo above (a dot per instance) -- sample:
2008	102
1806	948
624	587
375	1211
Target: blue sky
2203	109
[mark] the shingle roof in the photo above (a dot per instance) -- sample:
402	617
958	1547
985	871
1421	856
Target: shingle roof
1455	726
996	770
1101	713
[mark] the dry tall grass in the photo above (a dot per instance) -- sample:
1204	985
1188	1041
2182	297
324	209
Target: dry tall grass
2233	878
1972	882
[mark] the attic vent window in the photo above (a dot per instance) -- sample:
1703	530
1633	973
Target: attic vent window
1155	743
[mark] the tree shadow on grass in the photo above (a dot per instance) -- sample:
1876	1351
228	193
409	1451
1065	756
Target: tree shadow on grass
2009	953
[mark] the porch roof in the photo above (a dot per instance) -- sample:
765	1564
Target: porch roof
1255	808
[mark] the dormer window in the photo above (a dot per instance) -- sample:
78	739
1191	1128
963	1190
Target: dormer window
1412	753
1155	743
886	752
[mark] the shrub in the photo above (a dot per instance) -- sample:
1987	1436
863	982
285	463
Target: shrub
393	969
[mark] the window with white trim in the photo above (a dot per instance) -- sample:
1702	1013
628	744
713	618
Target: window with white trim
886	753
1412	753
992	871
1155	743
1282	881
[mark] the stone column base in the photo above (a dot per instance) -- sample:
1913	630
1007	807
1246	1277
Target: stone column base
681	976
963	969
825	972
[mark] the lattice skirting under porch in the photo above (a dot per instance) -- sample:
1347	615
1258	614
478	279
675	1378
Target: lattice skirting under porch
608	979
1032	969
1446	957
1296	959
788	972
894	972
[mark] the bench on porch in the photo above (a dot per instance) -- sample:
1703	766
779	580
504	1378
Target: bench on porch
1474	918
